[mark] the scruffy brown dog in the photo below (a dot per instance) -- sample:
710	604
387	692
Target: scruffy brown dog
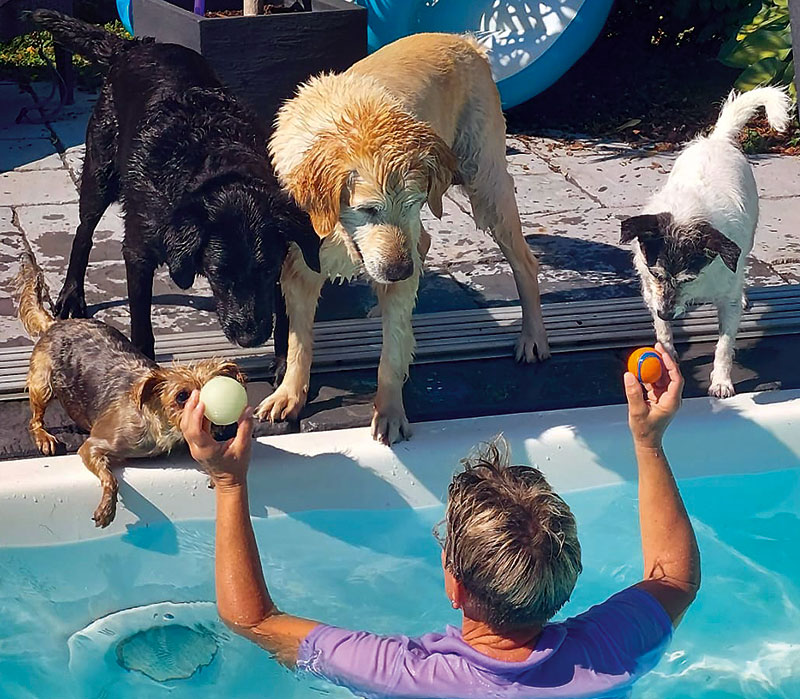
130	406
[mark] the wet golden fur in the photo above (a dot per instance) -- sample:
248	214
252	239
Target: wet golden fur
362	152
130	406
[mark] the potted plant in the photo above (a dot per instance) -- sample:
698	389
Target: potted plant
262	49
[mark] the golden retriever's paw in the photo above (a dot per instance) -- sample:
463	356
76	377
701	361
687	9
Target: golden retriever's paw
282	405
390	427
532	347
105	512
46	443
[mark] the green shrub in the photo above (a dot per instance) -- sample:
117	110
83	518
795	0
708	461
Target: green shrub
762	47
674	22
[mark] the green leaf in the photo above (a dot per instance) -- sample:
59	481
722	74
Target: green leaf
760	73
762	43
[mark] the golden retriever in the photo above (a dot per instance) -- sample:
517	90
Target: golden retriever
362	152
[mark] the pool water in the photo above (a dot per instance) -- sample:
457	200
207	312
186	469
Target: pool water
380	570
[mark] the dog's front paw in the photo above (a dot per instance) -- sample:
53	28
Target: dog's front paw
105	512
46	443
283	404
390	426
532	346
721	389
71	302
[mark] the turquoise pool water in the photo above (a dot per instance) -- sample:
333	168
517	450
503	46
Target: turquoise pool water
380	570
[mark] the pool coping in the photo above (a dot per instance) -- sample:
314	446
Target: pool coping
49	500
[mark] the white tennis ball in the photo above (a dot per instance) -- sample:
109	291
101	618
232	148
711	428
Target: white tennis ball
224	399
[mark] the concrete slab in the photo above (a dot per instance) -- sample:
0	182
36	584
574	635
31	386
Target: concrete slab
7	220
614	174
74	159
34	187
28	154
12	100
778	233
777	175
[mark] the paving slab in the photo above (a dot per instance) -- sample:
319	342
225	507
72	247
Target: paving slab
7	220
613	174
776	175
29	154
33	187
777	236
12	100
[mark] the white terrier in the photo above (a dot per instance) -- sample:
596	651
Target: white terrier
691	243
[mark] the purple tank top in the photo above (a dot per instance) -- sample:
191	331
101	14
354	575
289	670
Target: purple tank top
599	653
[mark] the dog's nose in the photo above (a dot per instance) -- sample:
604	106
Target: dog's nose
251	337
397	271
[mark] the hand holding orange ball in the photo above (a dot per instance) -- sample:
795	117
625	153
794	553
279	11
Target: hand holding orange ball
646	365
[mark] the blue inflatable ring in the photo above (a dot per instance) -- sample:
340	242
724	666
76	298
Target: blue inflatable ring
124	12
528	50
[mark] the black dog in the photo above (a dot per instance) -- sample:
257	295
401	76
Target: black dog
189	164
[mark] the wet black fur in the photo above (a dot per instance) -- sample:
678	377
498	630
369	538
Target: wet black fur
189	164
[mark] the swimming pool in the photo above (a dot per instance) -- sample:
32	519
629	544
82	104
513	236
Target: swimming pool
344	528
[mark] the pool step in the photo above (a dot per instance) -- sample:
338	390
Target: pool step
573	326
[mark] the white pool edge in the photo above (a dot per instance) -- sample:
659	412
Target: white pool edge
49	500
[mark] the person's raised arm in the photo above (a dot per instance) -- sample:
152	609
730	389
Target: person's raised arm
243	600
671	557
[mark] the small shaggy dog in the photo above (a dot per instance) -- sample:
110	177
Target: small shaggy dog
130	406
692	241
362	152
188	162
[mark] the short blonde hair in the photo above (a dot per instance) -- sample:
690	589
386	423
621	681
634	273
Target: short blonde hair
512	542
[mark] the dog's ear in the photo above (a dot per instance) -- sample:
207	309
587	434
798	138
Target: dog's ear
441	164
717	244
232	370
642	226
145	388
183	241
319	183
308	242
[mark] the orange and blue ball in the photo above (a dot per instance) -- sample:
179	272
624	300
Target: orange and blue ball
646	365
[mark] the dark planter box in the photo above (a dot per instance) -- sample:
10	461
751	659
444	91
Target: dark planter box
262	59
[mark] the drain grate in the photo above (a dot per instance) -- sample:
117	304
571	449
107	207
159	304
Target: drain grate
165	653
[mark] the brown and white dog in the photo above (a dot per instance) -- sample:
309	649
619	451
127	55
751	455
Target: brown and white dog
362	152
130	405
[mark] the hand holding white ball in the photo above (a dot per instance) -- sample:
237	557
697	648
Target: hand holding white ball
224	400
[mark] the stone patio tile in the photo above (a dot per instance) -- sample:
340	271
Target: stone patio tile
12	100
614	174
28	154
454	237
549	192
71	131
778	233
521	161
11	247
6	220
789	271
777	175
74	158
12	332
37	187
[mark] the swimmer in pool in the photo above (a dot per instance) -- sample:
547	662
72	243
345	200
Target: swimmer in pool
511	559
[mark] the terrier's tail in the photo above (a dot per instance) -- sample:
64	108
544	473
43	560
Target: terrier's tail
739	108
94	43
33	297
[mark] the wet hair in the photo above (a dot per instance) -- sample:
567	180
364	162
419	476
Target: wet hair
512	542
